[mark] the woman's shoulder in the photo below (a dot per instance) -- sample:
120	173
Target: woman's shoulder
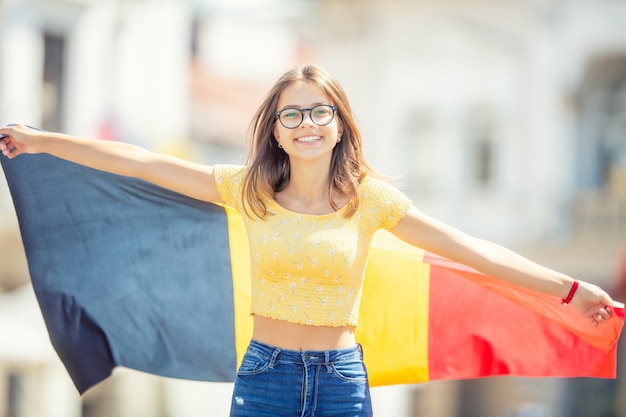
375	191
229	170
229	179
229	173
372	184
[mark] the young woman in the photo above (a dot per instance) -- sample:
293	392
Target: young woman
311	206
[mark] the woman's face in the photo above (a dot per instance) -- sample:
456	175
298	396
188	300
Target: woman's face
319	130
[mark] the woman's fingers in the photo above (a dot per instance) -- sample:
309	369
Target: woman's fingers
604	314
7	147
595	304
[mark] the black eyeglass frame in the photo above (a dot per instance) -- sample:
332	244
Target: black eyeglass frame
301	111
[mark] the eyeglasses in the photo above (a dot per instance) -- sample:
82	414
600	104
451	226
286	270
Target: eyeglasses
292	117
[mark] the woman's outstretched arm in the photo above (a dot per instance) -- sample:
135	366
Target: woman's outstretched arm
492	259
192	179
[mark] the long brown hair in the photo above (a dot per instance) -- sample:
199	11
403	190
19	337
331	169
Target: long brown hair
268	165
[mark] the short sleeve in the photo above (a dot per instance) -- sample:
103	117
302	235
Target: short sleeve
228	179
383	203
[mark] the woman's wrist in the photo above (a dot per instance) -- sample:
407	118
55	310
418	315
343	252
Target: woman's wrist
571	293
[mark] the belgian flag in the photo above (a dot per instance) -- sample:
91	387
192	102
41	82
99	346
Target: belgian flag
129	274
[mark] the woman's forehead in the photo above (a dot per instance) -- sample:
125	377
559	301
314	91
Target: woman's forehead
302	94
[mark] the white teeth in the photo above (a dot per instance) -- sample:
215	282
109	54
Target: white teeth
309	138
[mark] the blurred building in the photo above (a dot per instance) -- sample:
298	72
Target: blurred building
504	118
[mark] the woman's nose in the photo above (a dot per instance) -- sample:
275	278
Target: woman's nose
306	118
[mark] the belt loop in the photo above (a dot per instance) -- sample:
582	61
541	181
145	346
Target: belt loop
273	359
327	361
360	346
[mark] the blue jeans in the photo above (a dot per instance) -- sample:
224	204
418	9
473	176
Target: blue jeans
274	382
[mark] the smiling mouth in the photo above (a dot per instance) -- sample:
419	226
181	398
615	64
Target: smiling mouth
309	139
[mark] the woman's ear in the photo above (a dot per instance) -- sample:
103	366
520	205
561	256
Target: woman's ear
339	131
275	132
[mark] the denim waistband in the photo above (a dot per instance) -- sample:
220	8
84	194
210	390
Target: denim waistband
325	357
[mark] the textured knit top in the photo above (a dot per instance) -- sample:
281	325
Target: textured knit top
309	269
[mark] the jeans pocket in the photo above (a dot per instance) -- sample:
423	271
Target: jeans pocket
350	371
253	365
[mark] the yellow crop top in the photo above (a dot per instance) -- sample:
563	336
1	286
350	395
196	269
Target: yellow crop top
309	269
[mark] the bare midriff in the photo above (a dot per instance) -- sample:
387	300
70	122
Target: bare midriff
293	336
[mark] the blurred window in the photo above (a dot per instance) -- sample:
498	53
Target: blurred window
480	141
53	91
602	124
14	395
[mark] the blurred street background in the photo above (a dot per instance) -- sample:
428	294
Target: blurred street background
505	118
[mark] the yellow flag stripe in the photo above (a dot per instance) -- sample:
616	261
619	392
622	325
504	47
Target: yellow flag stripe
240	264
393	320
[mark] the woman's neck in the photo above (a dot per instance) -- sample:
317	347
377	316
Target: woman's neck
307	191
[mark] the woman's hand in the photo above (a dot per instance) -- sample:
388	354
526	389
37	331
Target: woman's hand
17	139
594	303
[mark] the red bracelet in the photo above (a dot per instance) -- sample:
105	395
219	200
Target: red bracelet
571	293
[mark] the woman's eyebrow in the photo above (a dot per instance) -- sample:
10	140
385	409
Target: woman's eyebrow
297	106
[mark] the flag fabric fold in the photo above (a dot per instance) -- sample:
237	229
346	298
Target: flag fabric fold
129	274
